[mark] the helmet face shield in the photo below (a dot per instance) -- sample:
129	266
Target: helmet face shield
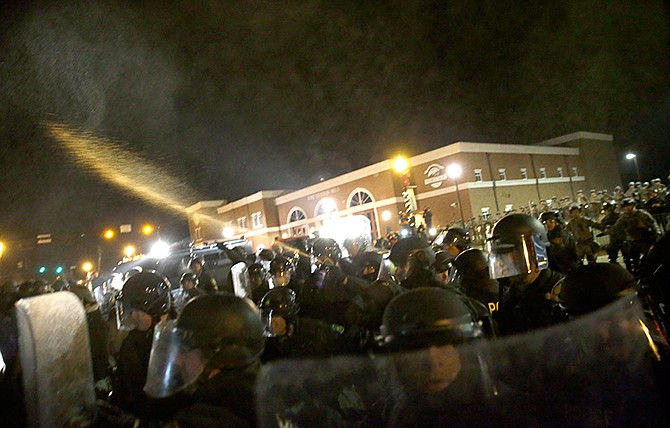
509	258
124	319
275	324
281	278
174	363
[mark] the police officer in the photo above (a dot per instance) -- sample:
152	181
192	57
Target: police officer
143	301
211	355
563	249
456	240
442	266
617	238
437	380
205	280
517	252
259	281
291	336
188	290
413	259
471	275
328	291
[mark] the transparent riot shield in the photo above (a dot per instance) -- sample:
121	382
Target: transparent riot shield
241	283
55	359
604	369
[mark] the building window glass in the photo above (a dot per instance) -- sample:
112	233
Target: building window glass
257	220
242	223
524	174
198	234
502	173
478	175
559	171
296	214
359	197
543	172
574	171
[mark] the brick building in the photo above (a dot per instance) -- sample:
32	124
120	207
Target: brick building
493	178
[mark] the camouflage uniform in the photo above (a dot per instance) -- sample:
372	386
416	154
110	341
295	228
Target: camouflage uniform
580	228
640	230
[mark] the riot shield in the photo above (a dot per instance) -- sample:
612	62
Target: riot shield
241	283
386	270
599	370
56	360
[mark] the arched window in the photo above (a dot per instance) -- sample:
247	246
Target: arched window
325	206
359	197
296	214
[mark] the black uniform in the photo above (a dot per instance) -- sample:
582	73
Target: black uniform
531	308
131	372
206	282
563	250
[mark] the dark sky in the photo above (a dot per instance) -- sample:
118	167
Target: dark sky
235	97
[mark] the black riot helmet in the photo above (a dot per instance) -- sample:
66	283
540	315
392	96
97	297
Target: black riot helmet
628	201
443	261
257	274
278	302
551	215
402	249
266	255
225	330
457	237
593	286
326	251
518	245
471	261
608	205
146	291
427	316
280	264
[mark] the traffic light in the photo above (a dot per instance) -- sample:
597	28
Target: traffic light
59	270
42	269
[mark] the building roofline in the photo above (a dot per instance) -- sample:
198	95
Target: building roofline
205	204
581	135
375	168
263	194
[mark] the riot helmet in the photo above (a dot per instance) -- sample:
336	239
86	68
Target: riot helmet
443	261
148	292
411	255
212	332
457	237
279	309
257	275
196	263
326	251
518	245
355	245
593	286
266	254
550	215
281	270
608	205
625	202
188	280
425	317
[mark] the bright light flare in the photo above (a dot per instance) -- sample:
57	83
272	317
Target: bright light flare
386	215
129	251
400	164
147	229
432	231
109	234
159	250
228	232
630	156
87	266
454	170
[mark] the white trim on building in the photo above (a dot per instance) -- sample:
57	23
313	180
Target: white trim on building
263	194
205	204
580	135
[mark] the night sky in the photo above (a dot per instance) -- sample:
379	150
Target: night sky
230	98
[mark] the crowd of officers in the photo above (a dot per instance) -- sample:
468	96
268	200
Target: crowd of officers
192	354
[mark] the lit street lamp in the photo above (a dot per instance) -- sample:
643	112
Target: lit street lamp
454	171
129	251
87	267
633	157
2	248
147	229
109	234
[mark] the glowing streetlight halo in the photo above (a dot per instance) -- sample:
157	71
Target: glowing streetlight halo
400	164
631	156
454	171
87	266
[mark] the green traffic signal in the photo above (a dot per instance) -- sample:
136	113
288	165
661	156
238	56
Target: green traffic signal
42	269
59	269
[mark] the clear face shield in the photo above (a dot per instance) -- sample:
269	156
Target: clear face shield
387	270
124	319
281	278
241	282
274	325
174	363
520	256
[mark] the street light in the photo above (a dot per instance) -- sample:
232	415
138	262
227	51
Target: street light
454	171
400	164
87	267
2	248
109	234
129	251
147	229
633	157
